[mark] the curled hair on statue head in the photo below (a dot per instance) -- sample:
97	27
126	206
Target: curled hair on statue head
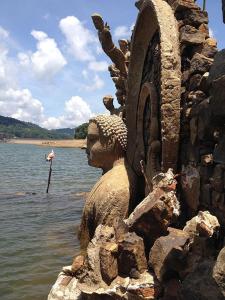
112	127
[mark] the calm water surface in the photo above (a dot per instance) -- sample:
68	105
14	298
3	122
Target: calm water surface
38	231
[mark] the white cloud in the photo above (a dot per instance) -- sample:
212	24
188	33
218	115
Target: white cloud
79	38
47	61
76	112
24	59
20	104
96	84
123	31
98	66
3	33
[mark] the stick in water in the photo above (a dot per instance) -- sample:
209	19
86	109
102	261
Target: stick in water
50	157
49	176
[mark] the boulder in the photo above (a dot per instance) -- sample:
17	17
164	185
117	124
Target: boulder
167	255
204	224
195	17
218	68
181	5
131	255
219	271
200	284
190	35
151	218
207	49
200	64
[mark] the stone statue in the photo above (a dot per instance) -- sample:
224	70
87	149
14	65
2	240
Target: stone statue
112	195
124	47
105	38
108	102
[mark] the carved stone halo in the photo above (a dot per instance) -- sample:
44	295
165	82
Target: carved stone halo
157	98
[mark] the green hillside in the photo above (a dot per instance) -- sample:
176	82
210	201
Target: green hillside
10	128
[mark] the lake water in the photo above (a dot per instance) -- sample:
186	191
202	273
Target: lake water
38	230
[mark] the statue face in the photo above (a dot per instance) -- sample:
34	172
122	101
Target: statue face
100	151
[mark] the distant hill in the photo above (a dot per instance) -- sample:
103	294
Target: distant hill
10	128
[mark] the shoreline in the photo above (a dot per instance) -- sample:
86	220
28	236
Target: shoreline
49	143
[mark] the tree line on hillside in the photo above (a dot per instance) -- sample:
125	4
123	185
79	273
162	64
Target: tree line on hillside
13	128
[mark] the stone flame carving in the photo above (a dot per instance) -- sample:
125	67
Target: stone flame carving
105	38
119	56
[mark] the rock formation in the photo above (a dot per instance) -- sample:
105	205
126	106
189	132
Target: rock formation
153	226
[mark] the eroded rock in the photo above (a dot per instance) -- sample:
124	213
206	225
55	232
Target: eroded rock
167	256
204	224
219	271
131	255
158	210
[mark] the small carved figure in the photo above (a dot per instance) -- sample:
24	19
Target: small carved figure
105	38
111	196
124	47
108	102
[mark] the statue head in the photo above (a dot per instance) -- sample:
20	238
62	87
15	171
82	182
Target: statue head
108	102
98	21
106	141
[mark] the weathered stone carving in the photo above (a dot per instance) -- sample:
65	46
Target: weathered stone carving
105	38
119	56
108	102
174	100
157	19
111	196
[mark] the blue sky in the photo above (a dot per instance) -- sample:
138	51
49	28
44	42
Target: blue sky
52	69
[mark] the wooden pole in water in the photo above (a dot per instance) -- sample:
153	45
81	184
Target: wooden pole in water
49	176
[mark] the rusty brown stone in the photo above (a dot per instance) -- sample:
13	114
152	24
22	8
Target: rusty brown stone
195	17
204	223
190	35
168	253
181	5
131	254
200	64
151	218
204	29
